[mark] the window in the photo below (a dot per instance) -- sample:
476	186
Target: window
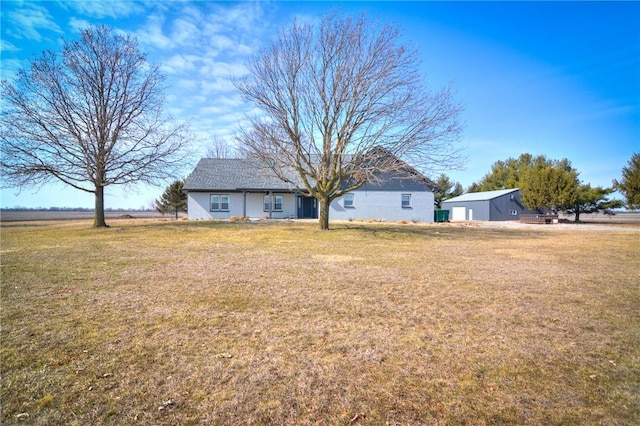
277	203
514	212
348	201
406	201
219	203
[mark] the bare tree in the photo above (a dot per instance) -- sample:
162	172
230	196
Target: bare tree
341	102
220	148
90	118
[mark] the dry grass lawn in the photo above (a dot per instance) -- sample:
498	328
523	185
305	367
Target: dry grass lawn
213	323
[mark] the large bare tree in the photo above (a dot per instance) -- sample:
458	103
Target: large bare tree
341	101
90	117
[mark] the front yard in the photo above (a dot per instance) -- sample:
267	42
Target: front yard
157	323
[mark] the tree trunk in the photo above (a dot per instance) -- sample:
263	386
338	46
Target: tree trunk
323	216
577	213
98	218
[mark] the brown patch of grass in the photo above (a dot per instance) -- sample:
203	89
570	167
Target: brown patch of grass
276	322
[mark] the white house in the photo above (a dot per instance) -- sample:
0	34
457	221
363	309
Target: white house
219	188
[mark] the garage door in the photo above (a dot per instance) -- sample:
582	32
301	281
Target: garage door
458	213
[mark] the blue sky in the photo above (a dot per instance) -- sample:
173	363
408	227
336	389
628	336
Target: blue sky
552	78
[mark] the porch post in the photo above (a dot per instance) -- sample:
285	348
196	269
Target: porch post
244	203
270	204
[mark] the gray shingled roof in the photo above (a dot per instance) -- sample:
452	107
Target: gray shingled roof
236	174
480	196
231	174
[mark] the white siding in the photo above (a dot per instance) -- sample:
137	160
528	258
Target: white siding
384	205
458	213
255	206
198	207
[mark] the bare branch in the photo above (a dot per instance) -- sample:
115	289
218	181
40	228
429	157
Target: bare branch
335	96
89	118
220	148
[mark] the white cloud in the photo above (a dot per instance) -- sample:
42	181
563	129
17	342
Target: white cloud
30	20
10	67
77	24
151	34
188	84
7	46
232	117
178	64
105	9
192	12
202	46
174	111
244	50
205	29
185	32
217	85
244	15
220	42
229	101
220	105
213	110
214	69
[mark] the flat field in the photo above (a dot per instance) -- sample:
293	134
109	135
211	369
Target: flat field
217	323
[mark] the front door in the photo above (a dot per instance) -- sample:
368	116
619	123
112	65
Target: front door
307	208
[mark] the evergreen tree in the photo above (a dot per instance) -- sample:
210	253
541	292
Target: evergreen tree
593	200
173	199
552	187
508	174
630	183
447	190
